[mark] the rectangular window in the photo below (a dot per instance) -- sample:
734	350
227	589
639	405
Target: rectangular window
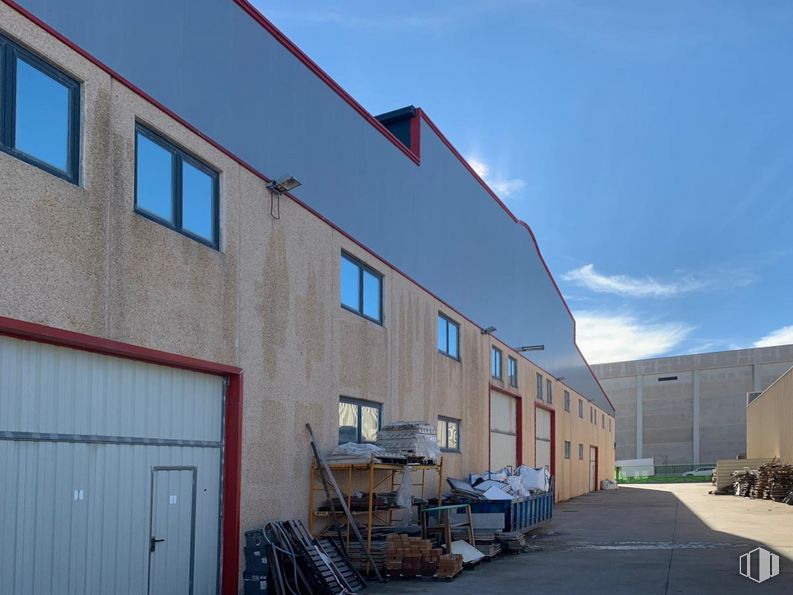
609	424
175	188
39	112
603	420
512	371
495	363
580	452
549	390
567	400
448	337
449	434
539	386
359	420
567	448
361	289
581	408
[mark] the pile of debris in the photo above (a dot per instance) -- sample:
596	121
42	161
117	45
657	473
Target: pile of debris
744	482
505	484
780	481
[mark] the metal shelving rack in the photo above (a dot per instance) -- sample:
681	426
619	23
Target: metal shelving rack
377	475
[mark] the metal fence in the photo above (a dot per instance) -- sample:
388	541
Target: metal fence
679	473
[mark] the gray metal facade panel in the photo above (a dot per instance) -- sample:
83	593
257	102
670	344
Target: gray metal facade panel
213	65
96	543
50	389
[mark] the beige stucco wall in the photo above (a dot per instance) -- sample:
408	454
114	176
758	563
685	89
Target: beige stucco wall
769	419
79	258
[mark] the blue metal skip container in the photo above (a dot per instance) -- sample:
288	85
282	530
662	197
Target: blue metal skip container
520	514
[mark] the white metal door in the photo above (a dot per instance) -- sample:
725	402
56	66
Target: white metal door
503	431
593	468
80	434
542	438
172	539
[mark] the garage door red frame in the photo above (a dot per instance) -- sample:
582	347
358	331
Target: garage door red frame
232	446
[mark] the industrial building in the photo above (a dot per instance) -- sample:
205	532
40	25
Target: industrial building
769	419
688	409
174	311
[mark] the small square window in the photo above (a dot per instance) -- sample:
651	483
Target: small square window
176	189
495	363
549	390
359	420
539	386
512	371
567	448
567	400
449	434
40	115
361	289
448	337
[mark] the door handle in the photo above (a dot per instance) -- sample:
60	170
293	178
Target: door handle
153	543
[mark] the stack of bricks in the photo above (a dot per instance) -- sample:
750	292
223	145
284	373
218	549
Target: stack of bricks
410	556
449	565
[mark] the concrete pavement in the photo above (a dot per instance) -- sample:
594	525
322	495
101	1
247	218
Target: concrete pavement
653	539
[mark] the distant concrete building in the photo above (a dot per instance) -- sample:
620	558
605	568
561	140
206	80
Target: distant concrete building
690	408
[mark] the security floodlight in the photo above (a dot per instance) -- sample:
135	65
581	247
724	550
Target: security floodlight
489	330
531	348
283	185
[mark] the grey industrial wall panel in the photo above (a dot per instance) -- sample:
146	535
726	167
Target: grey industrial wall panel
48	389
53	544
74	514
213	65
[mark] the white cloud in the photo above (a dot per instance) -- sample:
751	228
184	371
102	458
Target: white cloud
504	188
587	276
781	336
607	337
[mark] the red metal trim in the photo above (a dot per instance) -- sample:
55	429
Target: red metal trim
30	331
518	422
420	114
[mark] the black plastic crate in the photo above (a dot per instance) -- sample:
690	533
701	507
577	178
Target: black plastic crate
255	560
254	538
255	583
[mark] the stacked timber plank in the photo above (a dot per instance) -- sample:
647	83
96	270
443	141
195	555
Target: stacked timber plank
781	481
407	557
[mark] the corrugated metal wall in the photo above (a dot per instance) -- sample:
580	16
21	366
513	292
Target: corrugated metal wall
74	508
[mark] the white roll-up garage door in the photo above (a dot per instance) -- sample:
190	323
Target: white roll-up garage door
110	474
503	431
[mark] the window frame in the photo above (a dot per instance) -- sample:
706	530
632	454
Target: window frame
448	321
363	403
362	266
10	51
450	420
580	451
179	156
549	391
540	381
493	351
567	401
581	408
512	365
568	449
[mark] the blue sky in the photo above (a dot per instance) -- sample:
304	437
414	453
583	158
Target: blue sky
648	144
